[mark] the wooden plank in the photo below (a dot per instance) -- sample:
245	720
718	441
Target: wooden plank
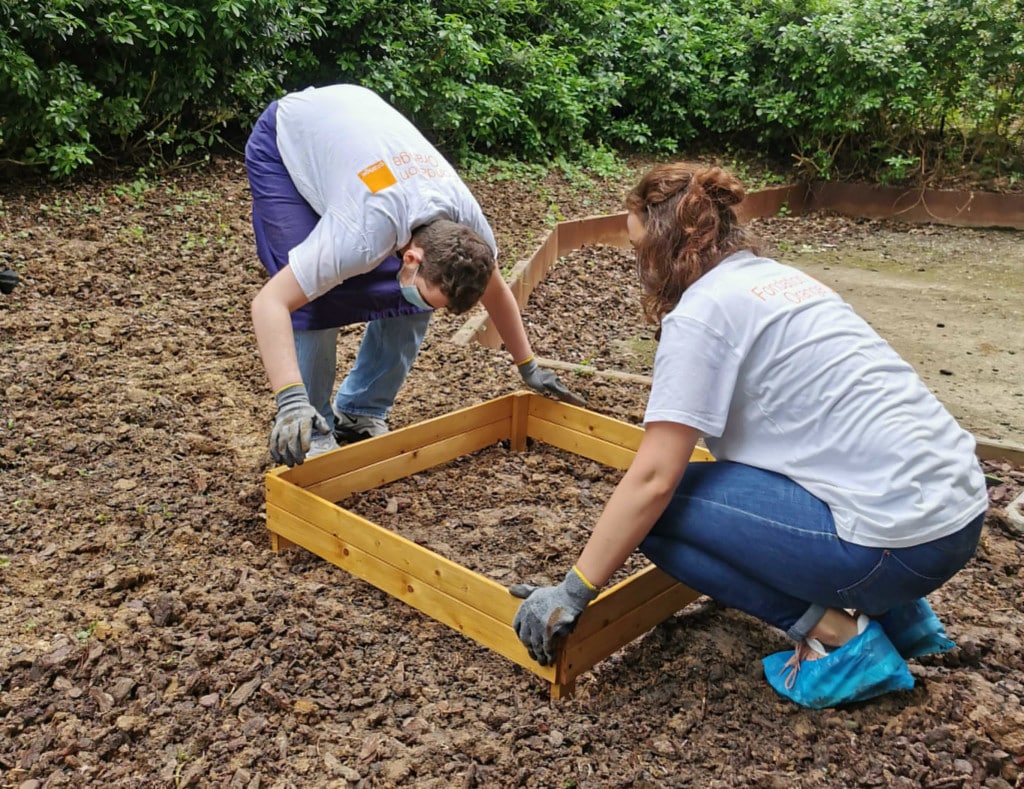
600	451
527	273
548	415
596	449
562	690
591	647
588	371
607	229
373	475
478	327
990	449
619	600
520	416
279	543
585	421
404	440
489	627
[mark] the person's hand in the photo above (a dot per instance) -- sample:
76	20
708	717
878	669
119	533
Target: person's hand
293	428
549	613
546	382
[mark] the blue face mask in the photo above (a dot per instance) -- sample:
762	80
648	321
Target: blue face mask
411	293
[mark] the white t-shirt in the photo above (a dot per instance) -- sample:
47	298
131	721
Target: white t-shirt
372	177
778	372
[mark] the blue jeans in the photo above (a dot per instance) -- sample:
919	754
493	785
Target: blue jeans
756	541
385	356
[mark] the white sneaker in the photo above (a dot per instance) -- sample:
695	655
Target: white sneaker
321	444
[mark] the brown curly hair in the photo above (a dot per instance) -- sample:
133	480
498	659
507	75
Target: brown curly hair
456	260
690	225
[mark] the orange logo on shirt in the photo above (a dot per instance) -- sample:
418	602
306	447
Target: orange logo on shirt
377	176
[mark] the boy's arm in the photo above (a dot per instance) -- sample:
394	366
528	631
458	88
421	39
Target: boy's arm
271	318
296	419
504	311
501	306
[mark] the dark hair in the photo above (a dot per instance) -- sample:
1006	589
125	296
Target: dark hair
690	225
456	260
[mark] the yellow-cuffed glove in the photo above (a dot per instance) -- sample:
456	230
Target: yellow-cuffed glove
549	613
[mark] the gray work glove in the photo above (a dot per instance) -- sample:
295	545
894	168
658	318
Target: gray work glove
549	613
293	428
546	382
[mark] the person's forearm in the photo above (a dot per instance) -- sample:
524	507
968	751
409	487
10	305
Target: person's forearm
640	498
501	306
634	506
271	318
272	322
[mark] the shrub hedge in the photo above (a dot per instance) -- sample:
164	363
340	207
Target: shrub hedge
888	89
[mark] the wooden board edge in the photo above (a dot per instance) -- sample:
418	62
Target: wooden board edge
597	437
404	440
990	449
623	597
406	464
594	645
471	613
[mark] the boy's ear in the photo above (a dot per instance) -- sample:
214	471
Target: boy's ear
412	254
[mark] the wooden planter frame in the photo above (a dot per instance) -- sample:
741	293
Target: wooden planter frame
301	510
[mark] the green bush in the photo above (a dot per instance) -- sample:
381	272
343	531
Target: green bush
885	89
86	78
849	86
476	76
681	63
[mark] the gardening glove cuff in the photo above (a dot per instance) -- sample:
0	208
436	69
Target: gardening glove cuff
294	425
548	614
546	382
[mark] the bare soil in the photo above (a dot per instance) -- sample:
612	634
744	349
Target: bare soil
149	637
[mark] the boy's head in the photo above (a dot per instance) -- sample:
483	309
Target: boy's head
455	260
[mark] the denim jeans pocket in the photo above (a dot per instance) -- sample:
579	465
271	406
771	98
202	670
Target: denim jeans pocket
902	575
890	582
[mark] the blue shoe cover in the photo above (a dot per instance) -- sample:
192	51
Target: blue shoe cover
864	667
915	630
